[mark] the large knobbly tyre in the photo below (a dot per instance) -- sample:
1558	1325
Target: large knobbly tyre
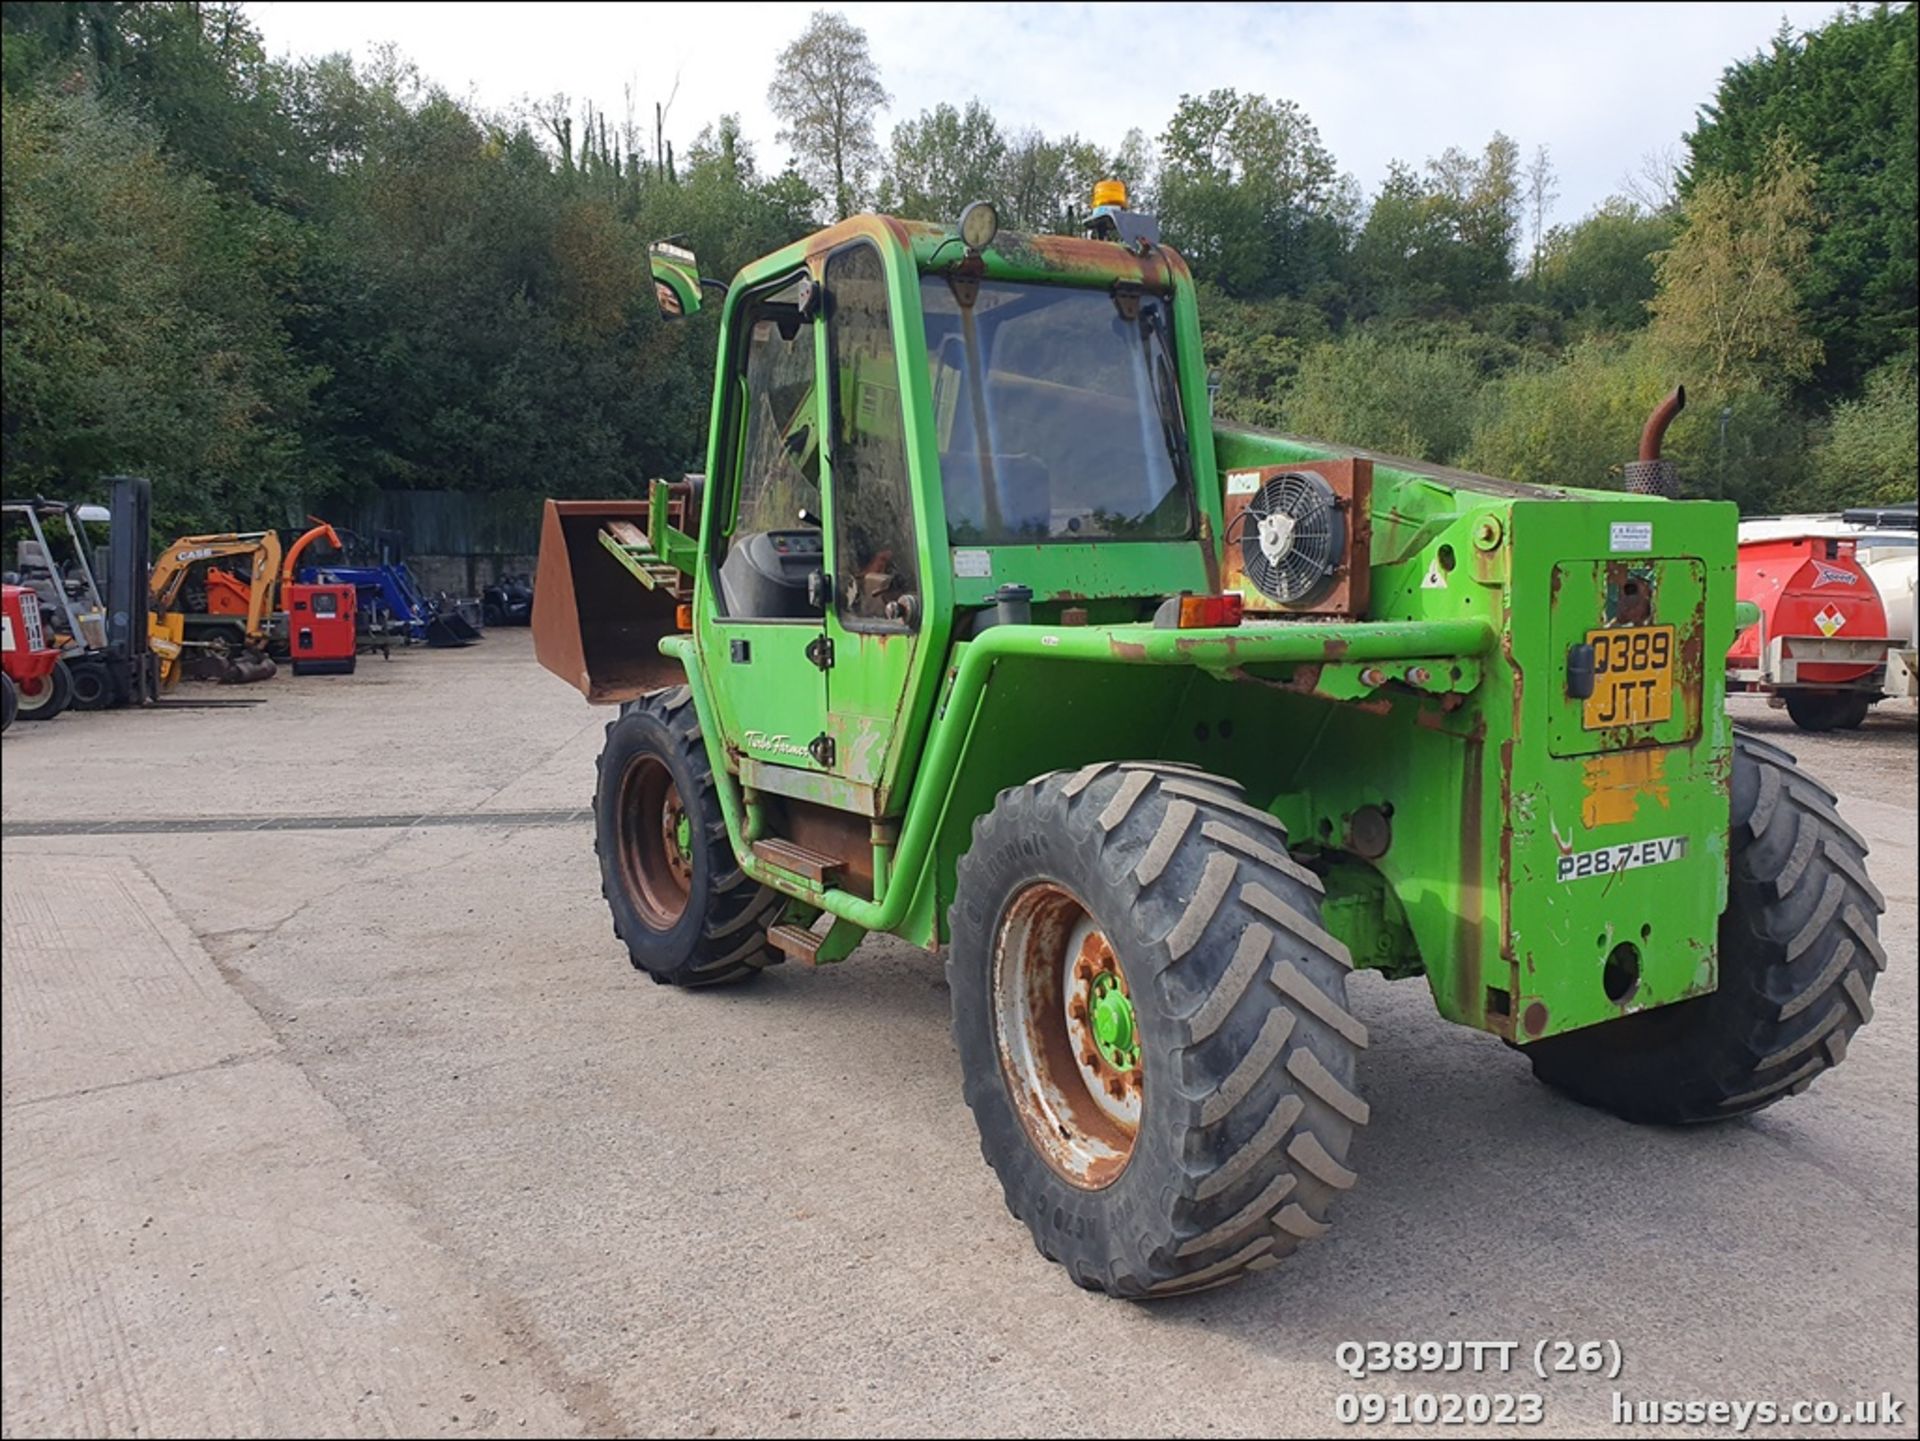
1152	1027
688	914
1799	953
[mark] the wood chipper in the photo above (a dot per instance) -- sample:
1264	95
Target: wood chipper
978	631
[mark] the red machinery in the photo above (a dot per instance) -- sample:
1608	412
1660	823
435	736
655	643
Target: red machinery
36	683
1821	640
320	614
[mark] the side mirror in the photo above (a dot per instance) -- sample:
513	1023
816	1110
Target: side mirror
676	279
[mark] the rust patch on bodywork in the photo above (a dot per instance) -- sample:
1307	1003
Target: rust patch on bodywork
1305	679
1617	780
1535	1018
1130	650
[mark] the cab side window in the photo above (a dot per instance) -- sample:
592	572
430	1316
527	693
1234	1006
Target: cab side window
876	572
773	545
780	457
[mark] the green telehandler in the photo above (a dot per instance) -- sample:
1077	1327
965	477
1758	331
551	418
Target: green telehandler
979	631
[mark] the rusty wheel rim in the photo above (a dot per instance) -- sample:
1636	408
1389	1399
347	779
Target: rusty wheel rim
656	857
1076	1085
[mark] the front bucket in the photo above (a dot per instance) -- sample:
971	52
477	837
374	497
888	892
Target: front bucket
241	667
594	625
450	628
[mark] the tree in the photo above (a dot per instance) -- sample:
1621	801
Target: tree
1577	423
943	160
1728	307
1654	185
1247	191
1478	202
1871	453
1845	96
1442	241
826	93
1369	389
1047	182
1542	189
1599	272
140	331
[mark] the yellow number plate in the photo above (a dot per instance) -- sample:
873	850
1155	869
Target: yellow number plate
1632	677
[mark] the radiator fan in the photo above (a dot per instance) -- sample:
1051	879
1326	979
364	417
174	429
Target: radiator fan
1292	538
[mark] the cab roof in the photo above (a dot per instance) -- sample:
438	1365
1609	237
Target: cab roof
1012	255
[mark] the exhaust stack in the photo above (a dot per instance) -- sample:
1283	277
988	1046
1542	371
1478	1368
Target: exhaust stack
1651	474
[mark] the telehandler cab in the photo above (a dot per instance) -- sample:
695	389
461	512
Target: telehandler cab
979	631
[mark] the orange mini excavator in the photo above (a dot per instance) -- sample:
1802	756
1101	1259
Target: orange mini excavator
230	623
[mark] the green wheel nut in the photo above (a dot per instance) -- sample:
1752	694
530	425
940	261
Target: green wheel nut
1113	1024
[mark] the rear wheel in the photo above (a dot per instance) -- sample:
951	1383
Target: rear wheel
1828	710
1152	1027
9	702
688	914
44	697
1799	953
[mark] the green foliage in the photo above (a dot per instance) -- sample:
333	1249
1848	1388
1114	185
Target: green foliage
1249	194
1254	351
1045	183
1578	422
1844	95
1600	272
1728	307
1871	452
947	157
140	323
1404	397
942	161
1441	243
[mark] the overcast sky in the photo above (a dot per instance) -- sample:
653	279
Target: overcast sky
1599	85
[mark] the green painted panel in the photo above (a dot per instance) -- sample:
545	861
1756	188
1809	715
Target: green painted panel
771	700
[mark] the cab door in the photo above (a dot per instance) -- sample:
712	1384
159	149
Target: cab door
874	621
765	659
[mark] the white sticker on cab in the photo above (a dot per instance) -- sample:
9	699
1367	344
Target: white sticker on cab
973	564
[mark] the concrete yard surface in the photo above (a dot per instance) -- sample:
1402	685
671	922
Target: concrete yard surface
360	1123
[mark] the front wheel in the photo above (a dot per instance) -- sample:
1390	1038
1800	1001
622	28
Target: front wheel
1153	1027
1799	952
688	914
9	702
46	696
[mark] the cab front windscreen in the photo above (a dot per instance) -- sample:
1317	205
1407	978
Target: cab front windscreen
1057	414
